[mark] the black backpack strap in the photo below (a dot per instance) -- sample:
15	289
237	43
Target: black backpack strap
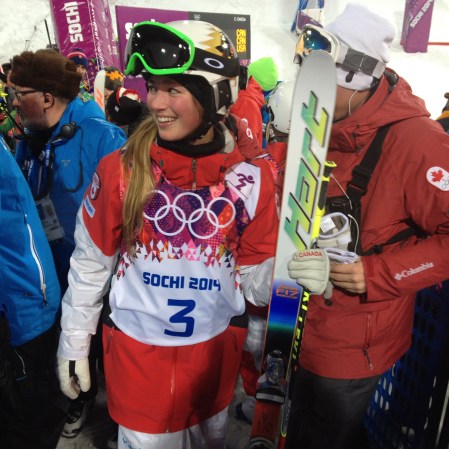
361	176
406	233
358	186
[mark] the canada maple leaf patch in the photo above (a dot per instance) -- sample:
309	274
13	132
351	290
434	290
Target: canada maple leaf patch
438	177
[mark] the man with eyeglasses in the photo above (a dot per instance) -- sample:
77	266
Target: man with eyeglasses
64	140
397	207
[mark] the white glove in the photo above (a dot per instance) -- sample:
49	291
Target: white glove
337	255
335	231
335	235
256	282
310	268
341	256
74	376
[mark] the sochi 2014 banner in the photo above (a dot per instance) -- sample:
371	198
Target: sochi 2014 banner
87	25
237	27
416	25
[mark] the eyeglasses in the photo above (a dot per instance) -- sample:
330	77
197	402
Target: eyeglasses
159	49
314	38
20	93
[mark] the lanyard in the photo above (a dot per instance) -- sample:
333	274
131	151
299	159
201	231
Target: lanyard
38	172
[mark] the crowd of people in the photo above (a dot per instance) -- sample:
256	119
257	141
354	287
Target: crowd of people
138	236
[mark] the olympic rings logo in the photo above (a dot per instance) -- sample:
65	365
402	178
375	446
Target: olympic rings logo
185	218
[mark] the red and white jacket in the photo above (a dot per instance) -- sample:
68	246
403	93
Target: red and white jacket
174	301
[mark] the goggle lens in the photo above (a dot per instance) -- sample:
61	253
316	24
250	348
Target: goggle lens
311	39
158	49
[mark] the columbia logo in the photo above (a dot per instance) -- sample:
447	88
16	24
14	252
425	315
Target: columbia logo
412	271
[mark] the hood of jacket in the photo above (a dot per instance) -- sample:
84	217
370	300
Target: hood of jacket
387	105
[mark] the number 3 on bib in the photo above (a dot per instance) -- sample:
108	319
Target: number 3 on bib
181	318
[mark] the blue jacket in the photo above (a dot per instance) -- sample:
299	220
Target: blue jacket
74	156
29	290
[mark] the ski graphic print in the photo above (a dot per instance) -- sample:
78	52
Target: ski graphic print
306	176
99	82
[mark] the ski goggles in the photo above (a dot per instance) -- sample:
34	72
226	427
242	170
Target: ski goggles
158	49
314	38
162	50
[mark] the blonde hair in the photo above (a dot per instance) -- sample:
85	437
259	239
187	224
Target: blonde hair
139	181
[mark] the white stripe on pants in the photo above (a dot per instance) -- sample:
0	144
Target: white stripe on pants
210	434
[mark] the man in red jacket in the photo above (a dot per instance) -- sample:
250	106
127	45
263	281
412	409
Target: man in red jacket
401	238
262	77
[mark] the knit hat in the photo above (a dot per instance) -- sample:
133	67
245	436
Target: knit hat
46	70
124	106
265	72
114	78
78	57
362	30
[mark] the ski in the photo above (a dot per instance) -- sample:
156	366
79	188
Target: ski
99	81
306	177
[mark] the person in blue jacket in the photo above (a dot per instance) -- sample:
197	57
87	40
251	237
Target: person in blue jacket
65	138
30	299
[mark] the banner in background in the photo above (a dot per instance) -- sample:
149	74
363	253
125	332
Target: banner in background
237	27
416	25
86	24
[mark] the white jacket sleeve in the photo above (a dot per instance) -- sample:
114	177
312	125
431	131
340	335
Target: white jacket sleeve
89	279
256	282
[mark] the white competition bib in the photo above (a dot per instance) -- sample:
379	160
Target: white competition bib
175	303
182	288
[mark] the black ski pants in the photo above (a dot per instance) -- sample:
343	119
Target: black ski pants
32	407
328	413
